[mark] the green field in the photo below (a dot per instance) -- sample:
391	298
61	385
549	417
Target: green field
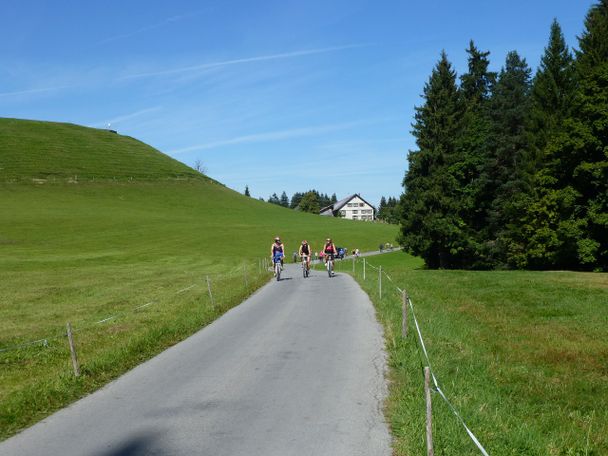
522	355
94	225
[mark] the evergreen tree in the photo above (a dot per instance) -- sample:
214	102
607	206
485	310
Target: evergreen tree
429	226
552	94
295	200
334	199
284	201
382	209
247	191
509	166
274	199
552	90
578	158
473	150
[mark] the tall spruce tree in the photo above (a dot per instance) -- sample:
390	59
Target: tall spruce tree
578	157
284	201
472	154
429	224
506	178
552	95
295	200
552	89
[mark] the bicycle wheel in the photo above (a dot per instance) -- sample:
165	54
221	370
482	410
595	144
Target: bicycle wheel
329	268
277	268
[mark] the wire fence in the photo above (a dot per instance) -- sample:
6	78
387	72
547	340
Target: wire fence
262	267
408	304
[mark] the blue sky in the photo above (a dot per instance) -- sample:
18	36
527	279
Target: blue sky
277	95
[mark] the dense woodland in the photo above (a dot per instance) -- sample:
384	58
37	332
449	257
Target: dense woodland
511	169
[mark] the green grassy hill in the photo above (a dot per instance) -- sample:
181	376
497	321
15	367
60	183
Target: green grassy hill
135	227
59	151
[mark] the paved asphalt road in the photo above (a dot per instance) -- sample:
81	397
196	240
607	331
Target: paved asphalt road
297	369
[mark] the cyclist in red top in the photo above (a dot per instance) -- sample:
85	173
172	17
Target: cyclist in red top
329	250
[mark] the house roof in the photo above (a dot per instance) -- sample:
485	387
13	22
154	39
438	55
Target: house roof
340	204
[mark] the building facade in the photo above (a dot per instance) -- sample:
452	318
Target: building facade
354	207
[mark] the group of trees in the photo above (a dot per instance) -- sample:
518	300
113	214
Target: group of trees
311	201
389	210
512	170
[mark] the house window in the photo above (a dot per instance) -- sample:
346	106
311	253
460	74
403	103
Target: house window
361	204
350	204
355	211
355	217
342	213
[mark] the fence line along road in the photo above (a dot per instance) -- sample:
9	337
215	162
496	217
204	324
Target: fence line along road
422	346
45	341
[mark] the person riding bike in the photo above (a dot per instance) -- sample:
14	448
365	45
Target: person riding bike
329	250
305	252
277	250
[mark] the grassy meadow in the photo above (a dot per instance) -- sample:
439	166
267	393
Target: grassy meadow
135	241
522	355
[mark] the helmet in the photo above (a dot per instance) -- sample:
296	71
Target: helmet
304	241
277	239
328	239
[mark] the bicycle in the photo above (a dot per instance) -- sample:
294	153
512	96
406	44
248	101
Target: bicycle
305	268
276	259
329	264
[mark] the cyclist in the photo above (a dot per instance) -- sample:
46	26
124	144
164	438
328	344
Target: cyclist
277	251
329	251
305	253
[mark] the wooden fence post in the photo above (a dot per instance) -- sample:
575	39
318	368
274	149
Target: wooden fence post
429	412
354	265
245	275
380	281
363	268
73	351
210	294
404	314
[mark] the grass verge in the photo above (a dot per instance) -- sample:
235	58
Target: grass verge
522	355
38	380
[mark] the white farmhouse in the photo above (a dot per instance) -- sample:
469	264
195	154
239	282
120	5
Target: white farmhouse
353	207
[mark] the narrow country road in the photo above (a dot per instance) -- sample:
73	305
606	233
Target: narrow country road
297	369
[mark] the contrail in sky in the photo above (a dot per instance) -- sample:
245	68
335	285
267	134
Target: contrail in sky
286	55
150	27
271	136
128	116
28	91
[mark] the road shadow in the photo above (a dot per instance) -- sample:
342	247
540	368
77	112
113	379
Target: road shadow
148	443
